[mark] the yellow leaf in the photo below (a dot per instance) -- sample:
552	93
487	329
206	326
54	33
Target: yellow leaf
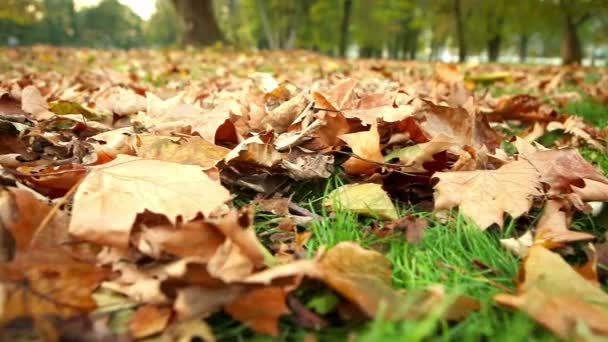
366	199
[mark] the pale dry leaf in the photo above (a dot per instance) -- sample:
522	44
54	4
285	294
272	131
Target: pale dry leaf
519	246
264	81
112	195
120	101
552	227
171	115
556	296
485	196
576	126
365	198
337	98
281	117
561	169
32	102
192	150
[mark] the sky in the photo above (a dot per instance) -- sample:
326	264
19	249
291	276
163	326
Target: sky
143	8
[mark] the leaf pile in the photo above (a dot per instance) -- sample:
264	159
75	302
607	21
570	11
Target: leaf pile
119	186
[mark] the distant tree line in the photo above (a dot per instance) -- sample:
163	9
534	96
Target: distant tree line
367	28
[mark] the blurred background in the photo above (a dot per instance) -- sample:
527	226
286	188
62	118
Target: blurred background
520	31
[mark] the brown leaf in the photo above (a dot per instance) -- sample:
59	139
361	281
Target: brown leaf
561	169
112	195
484	196
337	98
362	276
260	309
48	282
196	238
556	296
22	214
552	227
149	320
364	144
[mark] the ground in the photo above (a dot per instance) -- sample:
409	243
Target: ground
452	250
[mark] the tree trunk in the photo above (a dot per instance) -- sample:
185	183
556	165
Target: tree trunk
199	20
347	9
494	48
571	50
523	47
462	44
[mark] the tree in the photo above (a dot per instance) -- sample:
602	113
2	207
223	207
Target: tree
347	9
460	31
110	24
200	25
162	29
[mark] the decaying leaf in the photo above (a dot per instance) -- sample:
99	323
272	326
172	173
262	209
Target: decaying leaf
485	196
553	294
113	194
365	198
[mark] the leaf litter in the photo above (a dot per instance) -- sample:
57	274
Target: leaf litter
120	194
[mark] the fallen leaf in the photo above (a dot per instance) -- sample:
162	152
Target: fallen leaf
260	309
365	198
552	229
187	331
366	145
337	98
191	151
149	320
32	102
484	196
47	282
22	214
139	184
556	296
413	157
574	125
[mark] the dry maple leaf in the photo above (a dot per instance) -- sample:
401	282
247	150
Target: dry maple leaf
112	195
576	126
47	282
563	170
366	145
552	227
337	98
32	102
22	213
174	115
260	309
484	196
556	296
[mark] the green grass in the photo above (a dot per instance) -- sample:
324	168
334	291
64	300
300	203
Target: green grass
592	111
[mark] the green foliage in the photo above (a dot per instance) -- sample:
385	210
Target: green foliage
163	28
124	31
